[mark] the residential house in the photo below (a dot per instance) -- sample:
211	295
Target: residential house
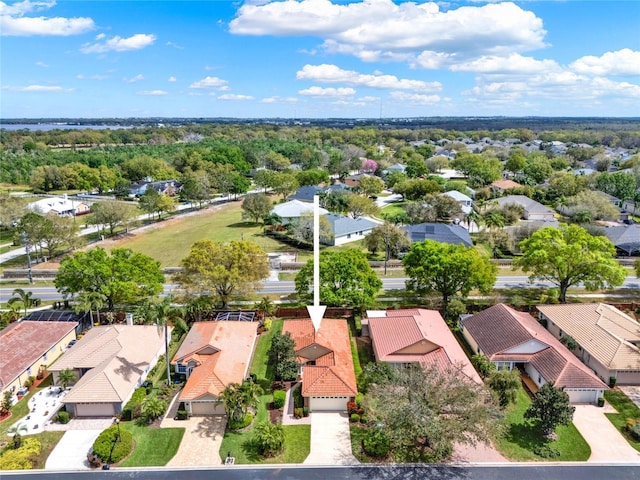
503	185
306	193
27	348
212	356
464	200
512	339
166	187
294	209
532	210
416	336
608	340
395	168
326	364
354	180
626	238
440	232
81	320
62	206
347	229
110	362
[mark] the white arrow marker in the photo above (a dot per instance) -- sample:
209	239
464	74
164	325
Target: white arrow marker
316	312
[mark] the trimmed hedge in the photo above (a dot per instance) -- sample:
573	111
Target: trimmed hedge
132	408
105	442
246	421
376	443
63	417
279	397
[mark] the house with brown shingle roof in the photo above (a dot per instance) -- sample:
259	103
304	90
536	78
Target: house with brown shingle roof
212	356
26	347
512	339
110	362
608	339
326	364
417	336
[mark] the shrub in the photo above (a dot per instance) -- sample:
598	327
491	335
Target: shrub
635	432
601	402
630	423
298	400
546	451
109	439
268	438
376	443
267	324
22	458
612	382
245	422
298	412
353	407
305	411
63	417
359	400
29	382
354	418
279	397
183	415
129	412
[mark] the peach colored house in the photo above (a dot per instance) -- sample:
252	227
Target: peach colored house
417	336
326	364
213	355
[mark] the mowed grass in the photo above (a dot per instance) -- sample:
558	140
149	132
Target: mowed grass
520	437
48	440
153	447
171	244
626	410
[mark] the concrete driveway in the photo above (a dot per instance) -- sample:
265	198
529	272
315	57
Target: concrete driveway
71	451
607	445
201	442
330	440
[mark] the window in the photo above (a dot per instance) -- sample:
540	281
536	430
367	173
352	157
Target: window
348	235
29	371
560	334
44	357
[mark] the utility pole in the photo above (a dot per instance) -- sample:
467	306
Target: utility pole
27	248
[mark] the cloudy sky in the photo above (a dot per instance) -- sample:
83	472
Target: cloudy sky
319	58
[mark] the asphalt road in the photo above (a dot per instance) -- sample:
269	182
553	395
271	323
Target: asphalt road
391	472
288	286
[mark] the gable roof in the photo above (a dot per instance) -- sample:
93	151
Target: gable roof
609	335
306	193
23	343
332	374
116	357
221	352
625	237
440	232
499	330
458	196
295	209
393	331
531	206
341	225
505	184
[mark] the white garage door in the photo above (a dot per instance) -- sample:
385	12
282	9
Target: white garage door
333	404
582	396
628	377
95	410
207	408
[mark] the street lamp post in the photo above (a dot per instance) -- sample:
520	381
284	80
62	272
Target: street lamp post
27	248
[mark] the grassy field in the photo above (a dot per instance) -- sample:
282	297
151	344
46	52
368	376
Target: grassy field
626	409
520	437
154	447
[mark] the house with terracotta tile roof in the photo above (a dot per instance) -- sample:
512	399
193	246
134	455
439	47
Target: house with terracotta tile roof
26	347
326	364
110	362
512	339
212	356
417	336
504	184
608	340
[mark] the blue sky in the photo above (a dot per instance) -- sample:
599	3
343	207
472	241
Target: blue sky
319	58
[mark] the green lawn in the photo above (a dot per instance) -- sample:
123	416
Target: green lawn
153	447
297	437
520	437
48	440
626	409
393	209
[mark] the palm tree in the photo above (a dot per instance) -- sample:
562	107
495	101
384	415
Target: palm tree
163	313
87	301
493	219
266	306
66	377
583	216
238	399
25	299
473	217
153	407
15	430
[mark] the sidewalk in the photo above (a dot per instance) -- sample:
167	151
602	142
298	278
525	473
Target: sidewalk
288	418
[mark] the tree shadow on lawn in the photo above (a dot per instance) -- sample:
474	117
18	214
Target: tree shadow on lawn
243	225
250	449
526	436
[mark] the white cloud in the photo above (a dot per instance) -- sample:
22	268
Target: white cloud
14	23
621	62
375	30
210	82
174	45
39	88
327	92
233	96
135	79
277	99
333	74
154	93
414	98
514	63
91	77
42	64
119	44
171	79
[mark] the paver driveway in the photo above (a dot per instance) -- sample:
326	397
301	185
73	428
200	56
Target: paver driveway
201	442
330	440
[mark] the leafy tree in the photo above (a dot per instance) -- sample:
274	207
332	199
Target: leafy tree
483	365
443	206
284	184
302	228
425	411
112	214
516	161
389	238
569	255
505	384
550	408
239	184
123	277
313	176
416	189
59	231
281	357
447	269
153	407
636	265
149	201
195	187
264	179
620	184
370	185
537	169
7	402
416	167
336	201
268	438
66	377
375	373
346	279
595	203
24	299
224	269
419	212
11	210
256	206
358	206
